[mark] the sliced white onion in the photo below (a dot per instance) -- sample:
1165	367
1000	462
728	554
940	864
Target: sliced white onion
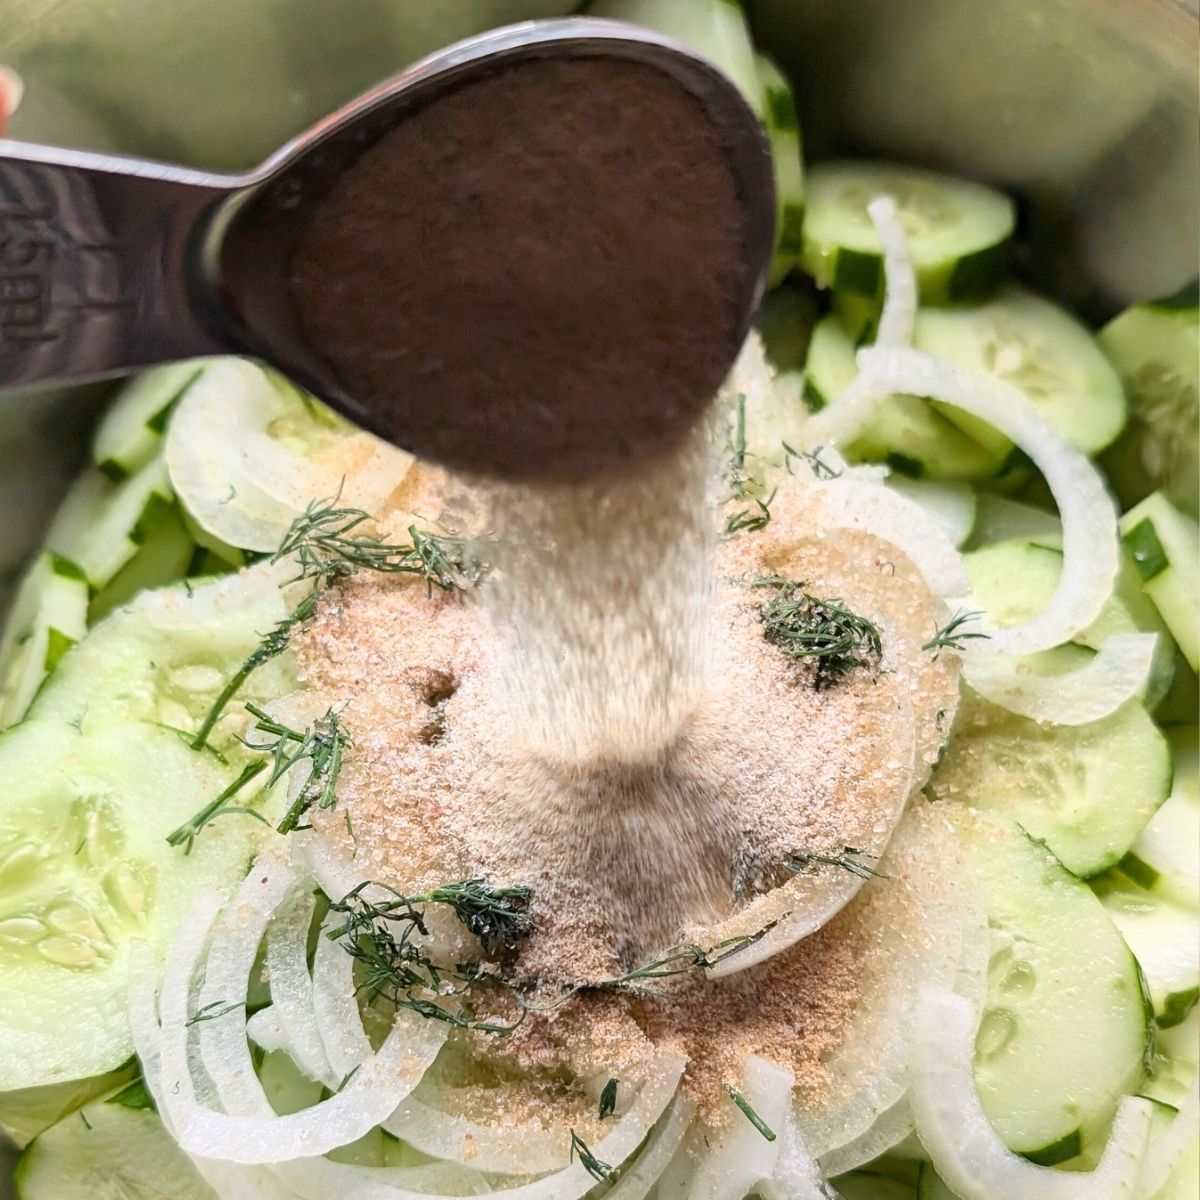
740	1157
1166	1151
899	314
1115	674
335	1003
319	1179
265	1031
1091	551
797	1175
891	1127
336	875
961	1141
950	503
636	1182
877	509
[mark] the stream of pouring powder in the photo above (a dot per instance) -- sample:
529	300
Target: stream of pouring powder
602	592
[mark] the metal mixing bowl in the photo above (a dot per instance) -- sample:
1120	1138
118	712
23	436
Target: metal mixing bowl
1087	109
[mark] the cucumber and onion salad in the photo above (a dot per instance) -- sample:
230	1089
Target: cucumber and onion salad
933	400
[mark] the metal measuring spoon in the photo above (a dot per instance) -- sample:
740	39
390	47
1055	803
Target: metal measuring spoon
109	264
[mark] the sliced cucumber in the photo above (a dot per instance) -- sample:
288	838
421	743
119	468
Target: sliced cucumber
931	1187
131	431
108	1152
869	1185
1087	791
958	231
49	615
1015	580
951	504
716	29
1175	1061
1064	1029
1156	350
999	519
1165	860
85	868
1165	546
247	453
101	524
165	657
29	1111
787	154
905	432
1184	1183
163	557
1165	939
785	323
1041	349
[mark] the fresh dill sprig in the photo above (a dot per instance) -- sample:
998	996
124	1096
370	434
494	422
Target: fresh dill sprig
742	486
323	743
806	626
608	1100
819	467
952	635
210	1012
847	859
598	1170
750	520
749	1113
381	935
191	829
349	1075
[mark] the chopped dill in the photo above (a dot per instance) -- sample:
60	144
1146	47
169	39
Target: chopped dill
819	467
750	520
749	1113
848	859
742	486
952	635
322	744
381	936
86	1123
805	626
608	1099
598	1170
210	1012
350	1074
190	830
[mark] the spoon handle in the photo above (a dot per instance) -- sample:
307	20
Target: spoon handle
94	254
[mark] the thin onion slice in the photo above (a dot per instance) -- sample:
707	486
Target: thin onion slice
741	1155
319	1179
797	1175
899	315
1166	1151
961	1141
891	1127
1091	551
1116	673
335	1003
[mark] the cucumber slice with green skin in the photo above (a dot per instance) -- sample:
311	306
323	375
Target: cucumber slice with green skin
952	504
1165	546
85	869
1164	938
165	657
1065	1025
131	431
1156	351
164	557
1038	347
1014	580
931	1187
1087	791
1175	1061
101	524
785	323
108	1152
958	231
999	519
905	432
787	155
717	29
49	616
1165	860
867	1185
26	1112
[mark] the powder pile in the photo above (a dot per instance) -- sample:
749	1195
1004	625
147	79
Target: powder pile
537	275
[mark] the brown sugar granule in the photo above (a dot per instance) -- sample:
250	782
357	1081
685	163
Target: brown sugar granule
536	275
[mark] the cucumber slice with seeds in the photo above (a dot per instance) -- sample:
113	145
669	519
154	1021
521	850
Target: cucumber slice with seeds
101	524
1165	546
1156	351
906	432
49	615
131	431
108	1152
958	231
1061	982
1041	349
787	155
85	868
1087	791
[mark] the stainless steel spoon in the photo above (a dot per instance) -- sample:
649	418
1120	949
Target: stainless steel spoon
109	263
